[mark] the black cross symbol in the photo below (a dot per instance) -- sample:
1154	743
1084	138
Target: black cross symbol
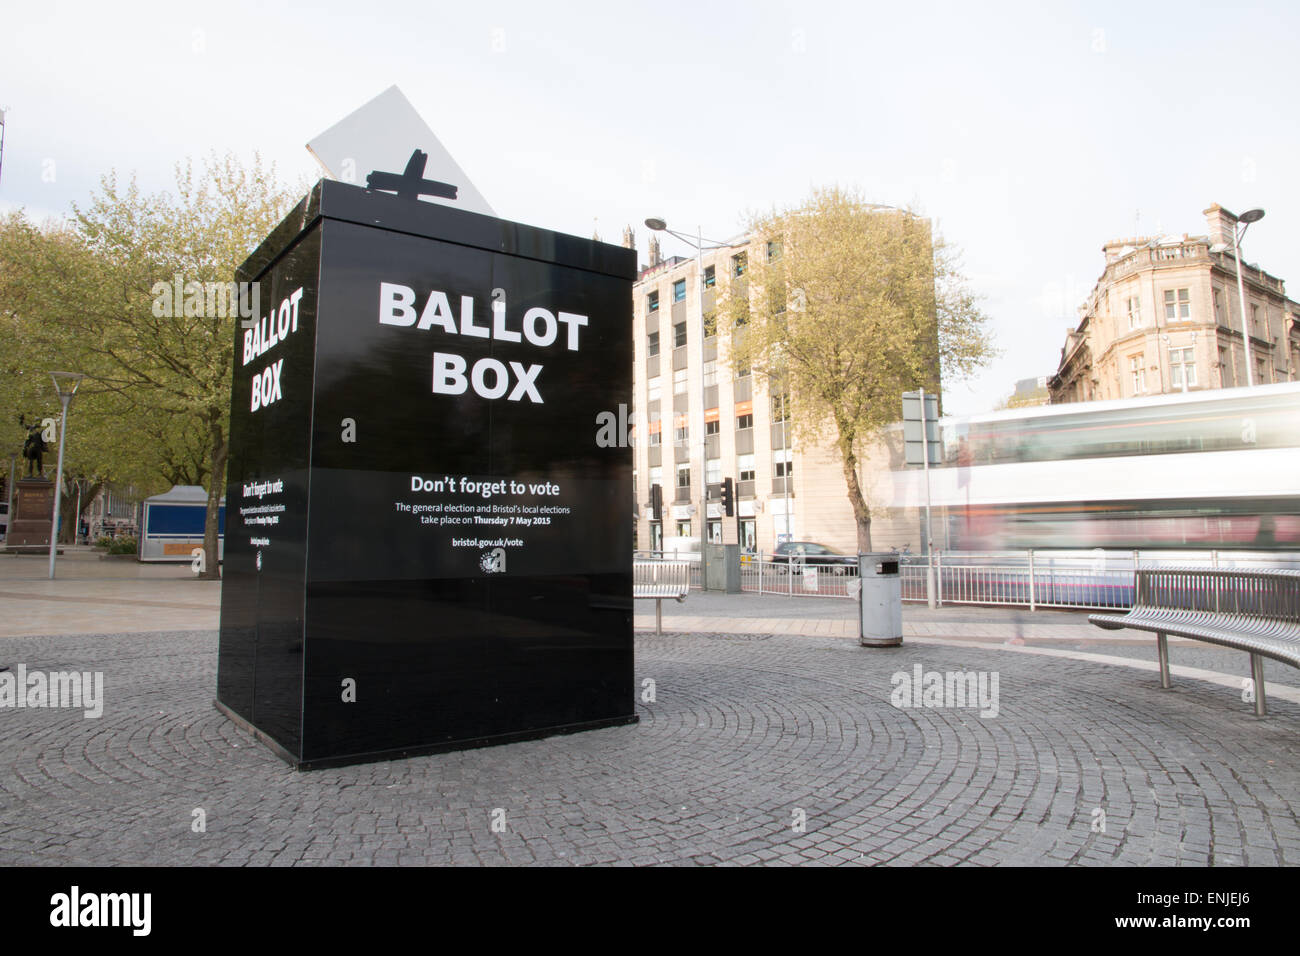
411	183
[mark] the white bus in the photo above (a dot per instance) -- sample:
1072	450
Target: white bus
1204	470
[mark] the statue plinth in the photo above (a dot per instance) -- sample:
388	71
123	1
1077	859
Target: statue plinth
33	519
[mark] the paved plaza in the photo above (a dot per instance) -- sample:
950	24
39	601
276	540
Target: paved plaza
770	737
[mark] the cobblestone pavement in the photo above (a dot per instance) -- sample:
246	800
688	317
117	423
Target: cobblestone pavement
748	735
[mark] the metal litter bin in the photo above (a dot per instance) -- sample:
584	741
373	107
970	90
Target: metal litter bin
880	600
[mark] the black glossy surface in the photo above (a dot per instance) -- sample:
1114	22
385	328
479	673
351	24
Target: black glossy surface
348	203
353	588
259	674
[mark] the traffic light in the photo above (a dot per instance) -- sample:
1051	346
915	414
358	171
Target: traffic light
728	497
656	502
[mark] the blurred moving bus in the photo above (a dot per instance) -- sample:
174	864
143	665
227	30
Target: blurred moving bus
1203	470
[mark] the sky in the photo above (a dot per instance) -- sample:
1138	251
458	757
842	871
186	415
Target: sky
1029	133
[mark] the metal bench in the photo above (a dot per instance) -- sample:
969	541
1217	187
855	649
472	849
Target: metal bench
660	580
1253	611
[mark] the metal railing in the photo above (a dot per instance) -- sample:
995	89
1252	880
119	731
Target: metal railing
1029	582
798	579
1056	579
1033	579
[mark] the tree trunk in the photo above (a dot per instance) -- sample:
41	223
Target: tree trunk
71	523
216	481
861	512
67	504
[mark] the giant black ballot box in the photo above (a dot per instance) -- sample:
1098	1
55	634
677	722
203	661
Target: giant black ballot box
428	538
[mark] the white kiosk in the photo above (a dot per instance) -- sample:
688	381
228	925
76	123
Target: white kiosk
172	524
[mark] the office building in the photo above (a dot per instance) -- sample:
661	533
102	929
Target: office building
700	421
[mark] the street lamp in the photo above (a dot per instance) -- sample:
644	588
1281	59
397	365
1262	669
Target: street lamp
9	495
65	383
1246	218
659	225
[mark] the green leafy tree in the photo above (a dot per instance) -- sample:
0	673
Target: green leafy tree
844	306
85	297
34	341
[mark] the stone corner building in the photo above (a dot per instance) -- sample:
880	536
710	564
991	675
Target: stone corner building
1165	317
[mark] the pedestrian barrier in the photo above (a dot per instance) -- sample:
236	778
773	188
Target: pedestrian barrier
798	578
1253	611
1084	580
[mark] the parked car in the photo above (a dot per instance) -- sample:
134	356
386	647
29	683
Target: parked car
810	553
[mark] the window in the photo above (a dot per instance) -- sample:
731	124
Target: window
656	437
1261	376
780	403
773	251
710	279
652	302
679	382
679	335
1218	307
679	290
742	369
1228	374
656	475
1178	305
711	428
1134	312
683	529
739	264
715	532
1254	319
745	465
655	388
745	421
682	435
1182	366
782	466
777	298
713	471
1139	376
710	324
710	372
652	349
683	476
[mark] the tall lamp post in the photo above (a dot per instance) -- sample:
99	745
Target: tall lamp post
65	383
1246	218
9	494
698	242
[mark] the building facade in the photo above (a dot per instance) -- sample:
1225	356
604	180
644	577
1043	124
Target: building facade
699	421
1165	317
